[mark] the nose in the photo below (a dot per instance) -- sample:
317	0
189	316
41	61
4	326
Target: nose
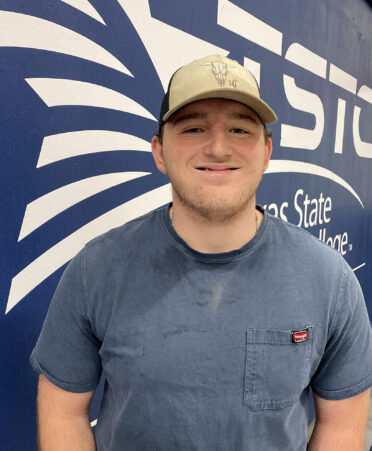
218	145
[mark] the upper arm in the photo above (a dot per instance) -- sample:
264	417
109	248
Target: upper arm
67	350
350	413
54	400
345	367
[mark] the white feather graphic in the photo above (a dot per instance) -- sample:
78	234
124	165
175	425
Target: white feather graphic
169	48
46	207
45	35
22	30
72	144
85	7
58	92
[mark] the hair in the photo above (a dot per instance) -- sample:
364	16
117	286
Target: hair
267	133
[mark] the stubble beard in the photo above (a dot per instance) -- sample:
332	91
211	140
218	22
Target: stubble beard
218	209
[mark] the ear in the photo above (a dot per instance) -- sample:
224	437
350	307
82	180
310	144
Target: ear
157	153
268	152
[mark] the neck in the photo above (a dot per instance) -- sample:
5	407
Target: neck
214	237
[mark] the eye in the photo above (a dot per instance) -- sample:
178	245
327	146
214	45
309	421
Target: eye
239	130
193	130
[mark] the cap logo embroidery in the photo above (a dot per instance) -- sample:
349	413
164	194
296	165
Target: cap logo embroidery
219	70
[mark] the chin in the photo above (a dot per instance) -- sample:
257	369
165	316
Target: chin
217	208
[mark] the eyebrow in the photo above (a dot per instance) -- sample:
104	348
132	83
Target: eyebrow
243	117
187	117
197	115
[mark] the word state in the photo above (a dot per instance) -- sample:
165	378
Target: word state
312	212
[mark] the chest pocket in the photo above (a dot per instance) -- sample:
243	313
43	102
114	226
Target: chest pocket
277	367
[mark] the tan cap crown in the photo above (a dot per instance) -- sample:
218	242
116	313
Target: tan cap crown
213	77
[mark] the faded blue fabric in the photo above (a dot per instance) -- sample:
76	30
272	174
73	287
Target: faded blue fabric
197	348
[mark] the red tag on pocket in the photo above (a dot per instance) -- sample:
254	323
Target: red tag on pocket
298	336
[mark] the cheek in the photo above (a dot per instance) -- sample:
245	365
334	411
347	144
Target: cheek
173	164
253	156
256	162
180	159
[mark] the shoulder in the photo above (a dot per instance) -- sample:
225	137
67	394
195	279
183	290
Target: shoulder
301	239
298	249
133	234
133	227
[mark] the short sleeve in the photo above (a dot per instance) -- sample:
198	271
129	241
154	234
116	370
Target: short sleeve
345	369
67	351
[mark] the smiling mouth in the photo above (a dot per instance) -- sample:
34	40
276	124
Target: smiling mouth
217	169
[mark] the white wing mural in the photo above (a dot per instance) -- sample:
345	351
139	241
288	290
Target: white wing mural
169	48
85	7
46	207
22	30
57	92
159	39
72	144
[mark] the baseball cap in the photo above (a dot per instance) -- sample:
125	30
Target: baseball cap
214	77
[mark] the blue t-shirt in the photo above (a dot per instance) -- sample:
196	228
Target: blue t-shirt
206	351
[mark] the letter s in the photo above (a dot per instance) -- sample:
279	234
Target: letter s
299	192
309	102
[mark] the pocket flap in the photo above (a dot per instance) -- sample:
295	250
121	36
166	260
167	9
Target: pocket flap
275	337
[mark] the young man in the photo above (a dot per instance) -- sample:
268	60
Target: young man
208	317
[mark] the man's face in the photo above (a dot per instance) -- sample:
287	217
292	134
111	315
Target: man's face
214	153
